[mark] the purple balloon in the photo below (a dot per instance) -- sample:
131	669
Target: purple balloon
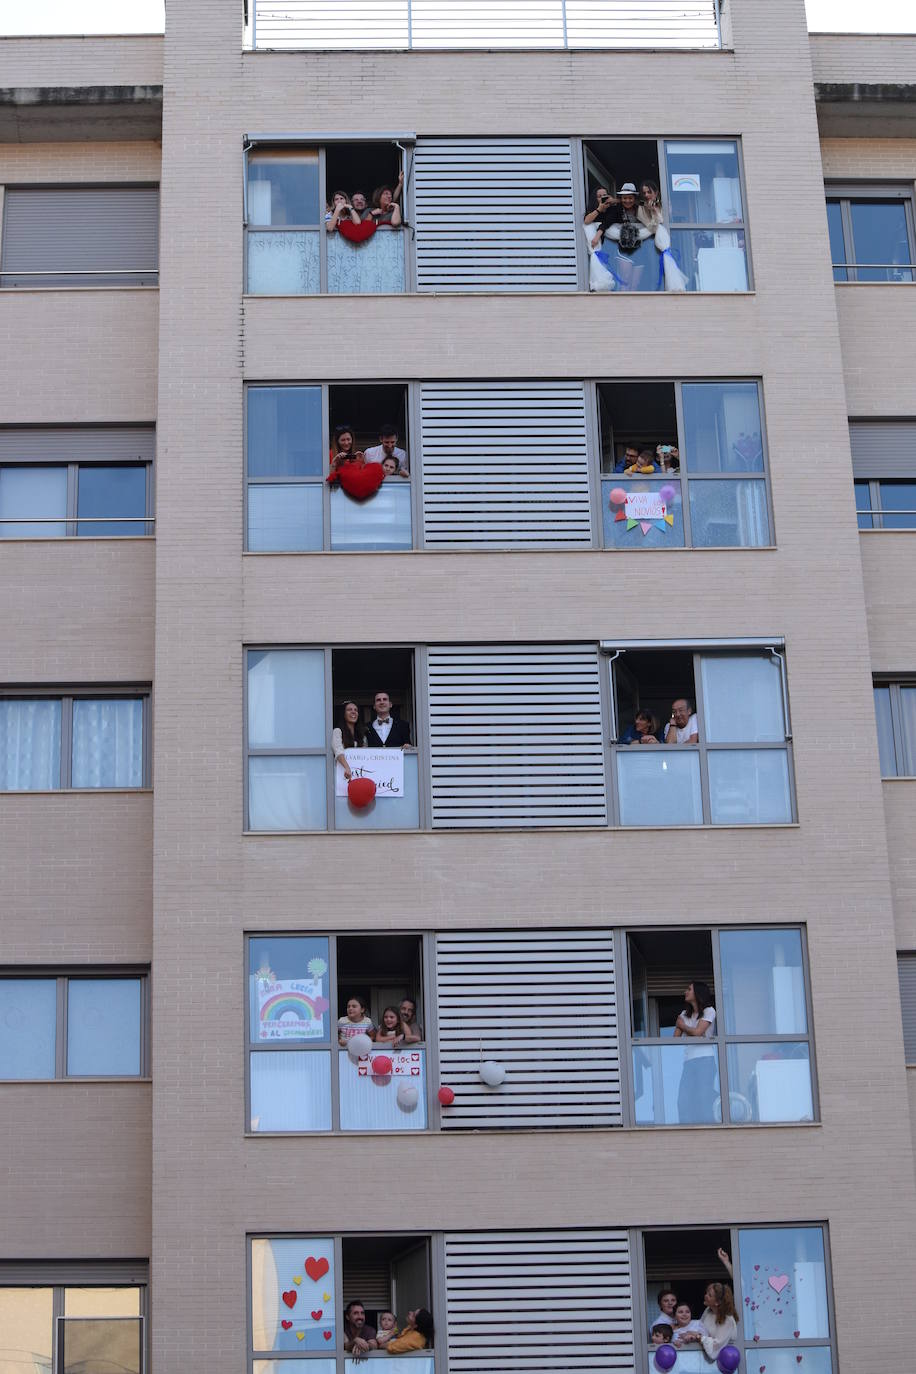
729	1359
667	492
665	1357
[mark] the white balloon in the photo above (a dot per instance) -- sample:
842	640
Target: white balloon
408	1096
492	1073
358	1045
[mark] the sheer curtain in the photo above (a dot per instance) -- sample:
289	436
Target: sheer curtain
290	1090
29	746
375	267
107	743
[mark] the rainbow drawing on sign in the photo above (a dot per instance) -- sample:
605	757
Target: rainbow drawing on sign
291	1009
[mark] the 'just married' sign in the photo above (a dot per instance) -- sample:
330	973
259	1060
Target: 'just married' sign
384	766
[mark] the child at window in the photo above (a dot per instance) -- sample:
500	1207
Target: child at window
684	1324
387	1322
661	1334
356	1022
389	1032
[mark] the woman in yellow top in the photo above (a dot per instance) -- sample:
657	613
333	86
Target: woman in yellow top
417	1333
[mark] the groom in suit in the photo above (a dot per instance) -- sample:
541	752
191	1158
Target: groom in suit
385	731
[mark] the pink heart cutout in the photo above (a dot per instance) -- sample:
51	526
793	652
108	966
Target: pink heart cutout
778	1282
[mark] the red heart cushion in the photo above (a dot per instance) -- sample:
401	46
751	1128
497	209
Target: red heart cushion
360	482
356	233
360	791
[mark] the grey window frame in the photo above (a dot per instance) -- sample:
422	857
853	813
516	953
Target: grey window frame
722	1039
64	1274
420	746
263	143
63	976
72	519
95	277
320	479
906	958
844	192
67	696
774	646
435	1242
748	1347
876	511
429	1022
684	477
903	745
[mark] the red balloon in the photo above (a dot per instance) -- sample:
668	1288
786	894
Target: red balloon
381	1065
360	791
446	1096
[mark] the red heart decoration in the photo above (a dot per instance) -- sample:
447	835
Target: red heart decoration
763	1369
286	1325
356	233
327	1335
796	1334
360	480
290	1297
360	791
315	1268
316	1316
798	1359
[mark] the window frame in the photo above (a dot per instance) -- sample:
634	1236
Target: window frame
875	511
72	519
430	1045
267	143
722	1039
775	647
61	1275
67	696
63	975
96	278
844	193
903	745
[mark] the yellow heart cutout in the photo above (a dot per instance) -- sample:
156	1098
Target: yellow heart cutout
326	1296
297	1278
300	1335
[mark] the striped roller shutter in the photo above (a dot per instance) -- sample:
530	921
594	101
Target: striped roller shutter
497	992
87	232
539	1300
494	215
79	444
505	463
642	24
331	24
906	972
515	736
886	449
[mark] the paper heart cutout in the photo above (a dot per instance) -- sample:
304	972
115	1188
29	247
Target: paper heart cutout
756	1267
763	1369
796	1334
316	1316
778	1282
360	481
321	1004
756	1339
297	1279
290	1297
316	1268
799	1358
286	1325
300	1335
326	1296
327	1335
356	233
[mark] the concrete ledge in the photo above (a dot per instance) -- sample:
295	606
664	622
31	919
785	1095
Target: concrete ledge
43	114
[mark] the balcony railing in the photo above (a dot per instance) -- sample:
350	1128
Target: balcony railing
431	24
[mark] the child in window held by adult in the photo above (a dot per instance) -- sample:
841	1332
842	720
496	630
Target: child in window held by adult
348	734
344	448
356	1022
389	1031
645	462
661	1334
651	217
684	1324
387	447
718	1324
417	1333
387	1321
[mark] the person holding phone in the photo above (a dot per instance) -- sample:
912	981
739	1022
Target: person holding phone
339	209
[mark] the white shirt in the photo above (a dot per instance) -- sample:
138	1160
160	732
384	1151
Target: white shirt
684	731
377	453
662	1320
694	1326
695	1048
382	728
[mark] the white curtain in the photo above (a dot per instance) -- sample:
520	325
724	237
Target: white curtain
107	743
29	746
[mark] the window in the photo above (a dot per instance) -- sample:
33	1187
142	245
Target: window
733	765
85	1025
708	437
72	1317
871	232
295	433
754	1064
87	481
309	995
50	741
80	236
294	246
895	712
782	1293
906	973
884	468
699	184
296	702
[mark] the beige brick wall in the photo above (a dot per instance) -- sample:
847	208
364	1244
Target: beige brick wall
866	59
879	348
22	163
101	60
869	159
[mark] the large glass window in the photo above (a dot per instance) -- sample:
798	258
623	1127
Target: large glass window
305	491
719	1027
871	233
300	243
701	738
48	743
895	712
886	505
73	1026
75	1327
683	463
91	481
309	996
708	234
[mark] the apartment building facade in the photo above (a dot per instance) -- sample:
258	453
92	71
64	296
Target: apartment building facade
198	1172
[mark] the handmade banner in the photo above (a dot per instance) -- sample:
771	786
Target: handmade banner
647	509
404	1063
384	766
291	1009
